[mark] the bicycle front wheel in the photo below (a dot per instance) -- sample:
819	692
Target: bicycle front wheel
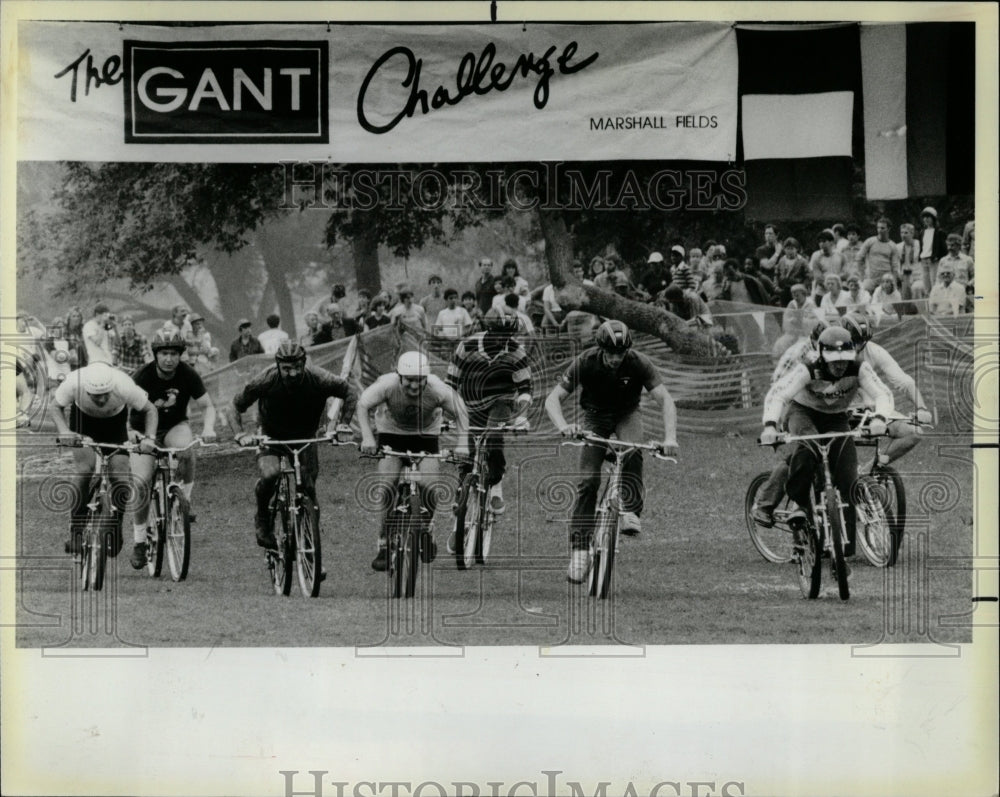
155	537
602	554
280	560
891	494
775	543
809	562
468	516
308	552
403	558
835	523
873	527
178	534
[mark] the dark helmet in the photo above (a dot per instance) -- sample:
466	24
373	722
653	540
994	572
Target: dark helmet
614	336
168	340
835	344
858	326
501	321
290	352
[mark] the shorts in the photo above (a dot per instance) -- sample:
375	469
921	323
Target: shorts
423	443
101	430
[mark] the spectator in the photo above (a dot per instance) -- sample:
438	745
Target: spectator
750	268
96	337
434	302
766	259
74	336
453	321
740	287
800	318
886	304
63	356
962	264
969	239
483	288
908	248
204	355
131	350
312	330
472	308
932	247
834	302
877	256
858	298
839	241
508	287
599	274
524	323
825	260
338	294
355	323
246	344
178	323
553	312
333	328
792	269
685	304
947	297
509	269
656	277
378	317
272	337
713	286
698	265
680	272
409	312
850	250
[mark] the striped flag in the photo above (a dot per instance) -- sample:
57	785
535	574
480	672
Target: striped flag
800	102
919	109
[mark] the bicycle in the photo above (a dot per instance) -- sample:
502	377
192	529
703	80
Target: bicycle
168	531
610	507
91	554
825	535
407	524
474	517
298	535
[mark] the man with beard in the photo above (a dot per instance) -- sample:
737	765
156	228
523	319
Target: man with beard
291	400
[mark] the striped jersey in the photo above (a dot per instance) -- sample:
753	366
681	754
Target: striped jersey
481	379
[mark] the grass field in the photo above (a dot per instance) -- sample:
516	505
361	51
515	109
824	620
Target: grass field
692	576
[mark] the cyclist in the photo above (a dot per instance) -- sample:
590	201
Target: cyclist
490	371
611	376
170	385
98	397
409	406
291	397
817	397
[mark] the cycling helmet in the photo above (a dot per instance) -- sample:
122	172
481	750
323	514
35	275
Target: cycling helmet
97	378
835	344
861	331
613	336
290	352
168	340
413	364
502	320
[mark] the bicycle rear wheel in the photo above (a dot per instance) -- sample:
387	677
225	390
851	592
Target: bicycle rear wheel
155	536
485	536
279	560
809	561
873	527
835	523
178	534
468	515
308	551
96	541
602	554
892	495
775	543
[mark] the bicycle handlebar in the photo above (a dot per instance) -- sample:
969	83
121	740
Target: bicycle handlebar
195	442
77	443
654	448
519	426
385	451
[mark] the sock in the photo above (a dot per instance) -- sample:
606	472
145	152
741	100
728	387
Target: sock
186	488
138	532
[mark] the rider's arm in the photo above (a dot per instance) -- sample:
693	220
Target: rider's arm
876	390
204	402
453	404
150	417
782	392
371	397
522	377
242	401
894	376
553	406
669	410
451	379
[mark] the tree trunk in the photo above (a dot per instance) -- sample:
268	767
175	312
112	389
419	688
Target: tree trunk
572	295
276	265
364	247
236	276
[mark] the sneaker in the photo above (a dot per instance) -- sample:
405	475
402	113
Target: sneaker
428	548
579	565
630	524
381	561
265	537
497	506
762	516
138	559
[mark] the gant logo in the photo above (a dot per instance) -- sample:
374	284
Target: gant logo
226	92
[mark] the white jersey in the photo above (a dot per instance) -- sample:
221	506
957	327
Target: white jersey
397	413
124	393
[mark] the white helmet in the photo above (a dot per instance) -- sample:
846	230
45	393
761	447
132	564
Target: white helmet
413	363
97	378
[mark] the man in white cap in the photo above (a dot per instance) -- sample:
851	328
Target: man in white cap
656	277
680	272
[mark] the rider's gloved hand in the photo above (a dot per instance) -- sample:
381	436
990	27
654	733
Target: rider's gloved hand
368	446
461	452
769	436
877	426
924	417
208	436
669	448
571	430
147	445
244	439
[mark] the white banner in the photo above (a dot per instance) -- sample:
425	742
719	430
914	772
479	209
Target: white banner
420	93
